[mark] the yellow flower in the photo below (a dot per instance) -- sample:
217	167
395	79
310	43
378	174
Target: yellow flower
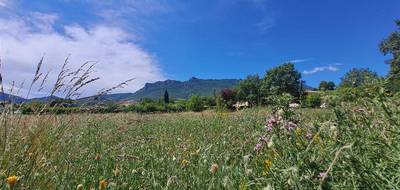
79	187
102	184
214	168
184	162
11	181
298	131
267	166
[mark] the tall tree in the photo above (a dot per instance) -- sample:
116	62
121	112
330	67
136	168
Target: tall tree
249	90
166	97
283	79
325	85
391	45
358	77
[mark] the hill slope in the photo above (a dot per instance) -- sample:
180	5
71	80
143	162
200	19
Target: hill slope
176	89
183	89
11	98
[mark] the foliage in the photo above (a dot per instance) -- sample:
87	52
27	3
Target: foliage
195	104
228	98
391	45
312	100
166	97
249	90
282	79
358	77
351	146
325	85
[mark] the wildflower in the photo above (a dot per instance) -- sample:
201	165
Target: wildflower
263	140
267	166
11	181
79	187
309	136
184	162
322	175
258	147
290	126
116	172
214	168
102	184
268	128
298	131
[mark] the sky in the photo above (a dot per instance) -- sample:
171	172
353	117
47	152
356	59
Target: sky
152	40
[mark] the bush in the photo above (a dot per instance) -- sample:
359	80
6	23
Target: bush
195	104
312	100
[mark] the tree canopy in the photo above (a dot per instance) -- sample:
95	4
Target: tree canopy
282	79
325	85
358	77
249	90
391	45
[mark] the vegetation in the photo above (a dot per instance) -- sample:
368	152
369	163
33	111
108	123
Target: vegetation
350	143
391	46
283	79
325	85
358	77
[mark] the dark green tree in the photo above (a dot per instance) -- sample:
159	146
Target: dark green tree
325	85
358	77
166	97
249	90
391	45
282	79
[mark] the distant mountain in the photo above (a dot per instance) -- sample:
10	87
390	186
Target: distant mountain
184	89
44	99
11	98
176	89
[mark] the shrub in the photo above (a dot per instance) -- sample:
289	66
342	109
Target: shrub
195	104
312	100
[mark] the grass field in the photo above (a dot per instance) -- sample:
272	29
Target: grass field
355	148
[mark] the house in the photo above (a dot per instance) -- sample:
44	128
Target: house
241	105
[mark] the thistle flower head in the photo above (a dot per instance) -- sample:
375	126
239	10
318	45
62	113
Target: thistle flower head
214	168
258	147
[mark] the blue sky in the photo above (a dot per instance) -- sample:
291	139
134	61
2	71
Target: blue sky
178	39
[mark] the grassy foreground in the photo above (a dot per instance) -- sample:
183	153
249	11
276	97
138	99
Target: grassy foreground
336	148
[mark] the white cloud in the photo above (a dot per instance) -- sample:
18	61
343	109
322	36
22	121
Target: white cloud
266	23
24	41
331	68
3	3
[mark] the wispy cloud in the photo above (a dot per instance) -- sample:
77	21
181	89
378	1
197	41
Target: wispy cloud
299	60
3	3
266	23
330	68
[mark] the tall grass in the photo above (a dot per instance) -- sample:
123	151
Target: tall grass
348	146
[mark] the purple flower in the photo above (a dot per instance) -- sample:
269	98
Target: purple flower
290	126
268	128
322	175
263	140
258	147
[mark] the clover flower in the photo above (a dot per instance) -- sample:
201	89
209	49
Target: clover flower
258	147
